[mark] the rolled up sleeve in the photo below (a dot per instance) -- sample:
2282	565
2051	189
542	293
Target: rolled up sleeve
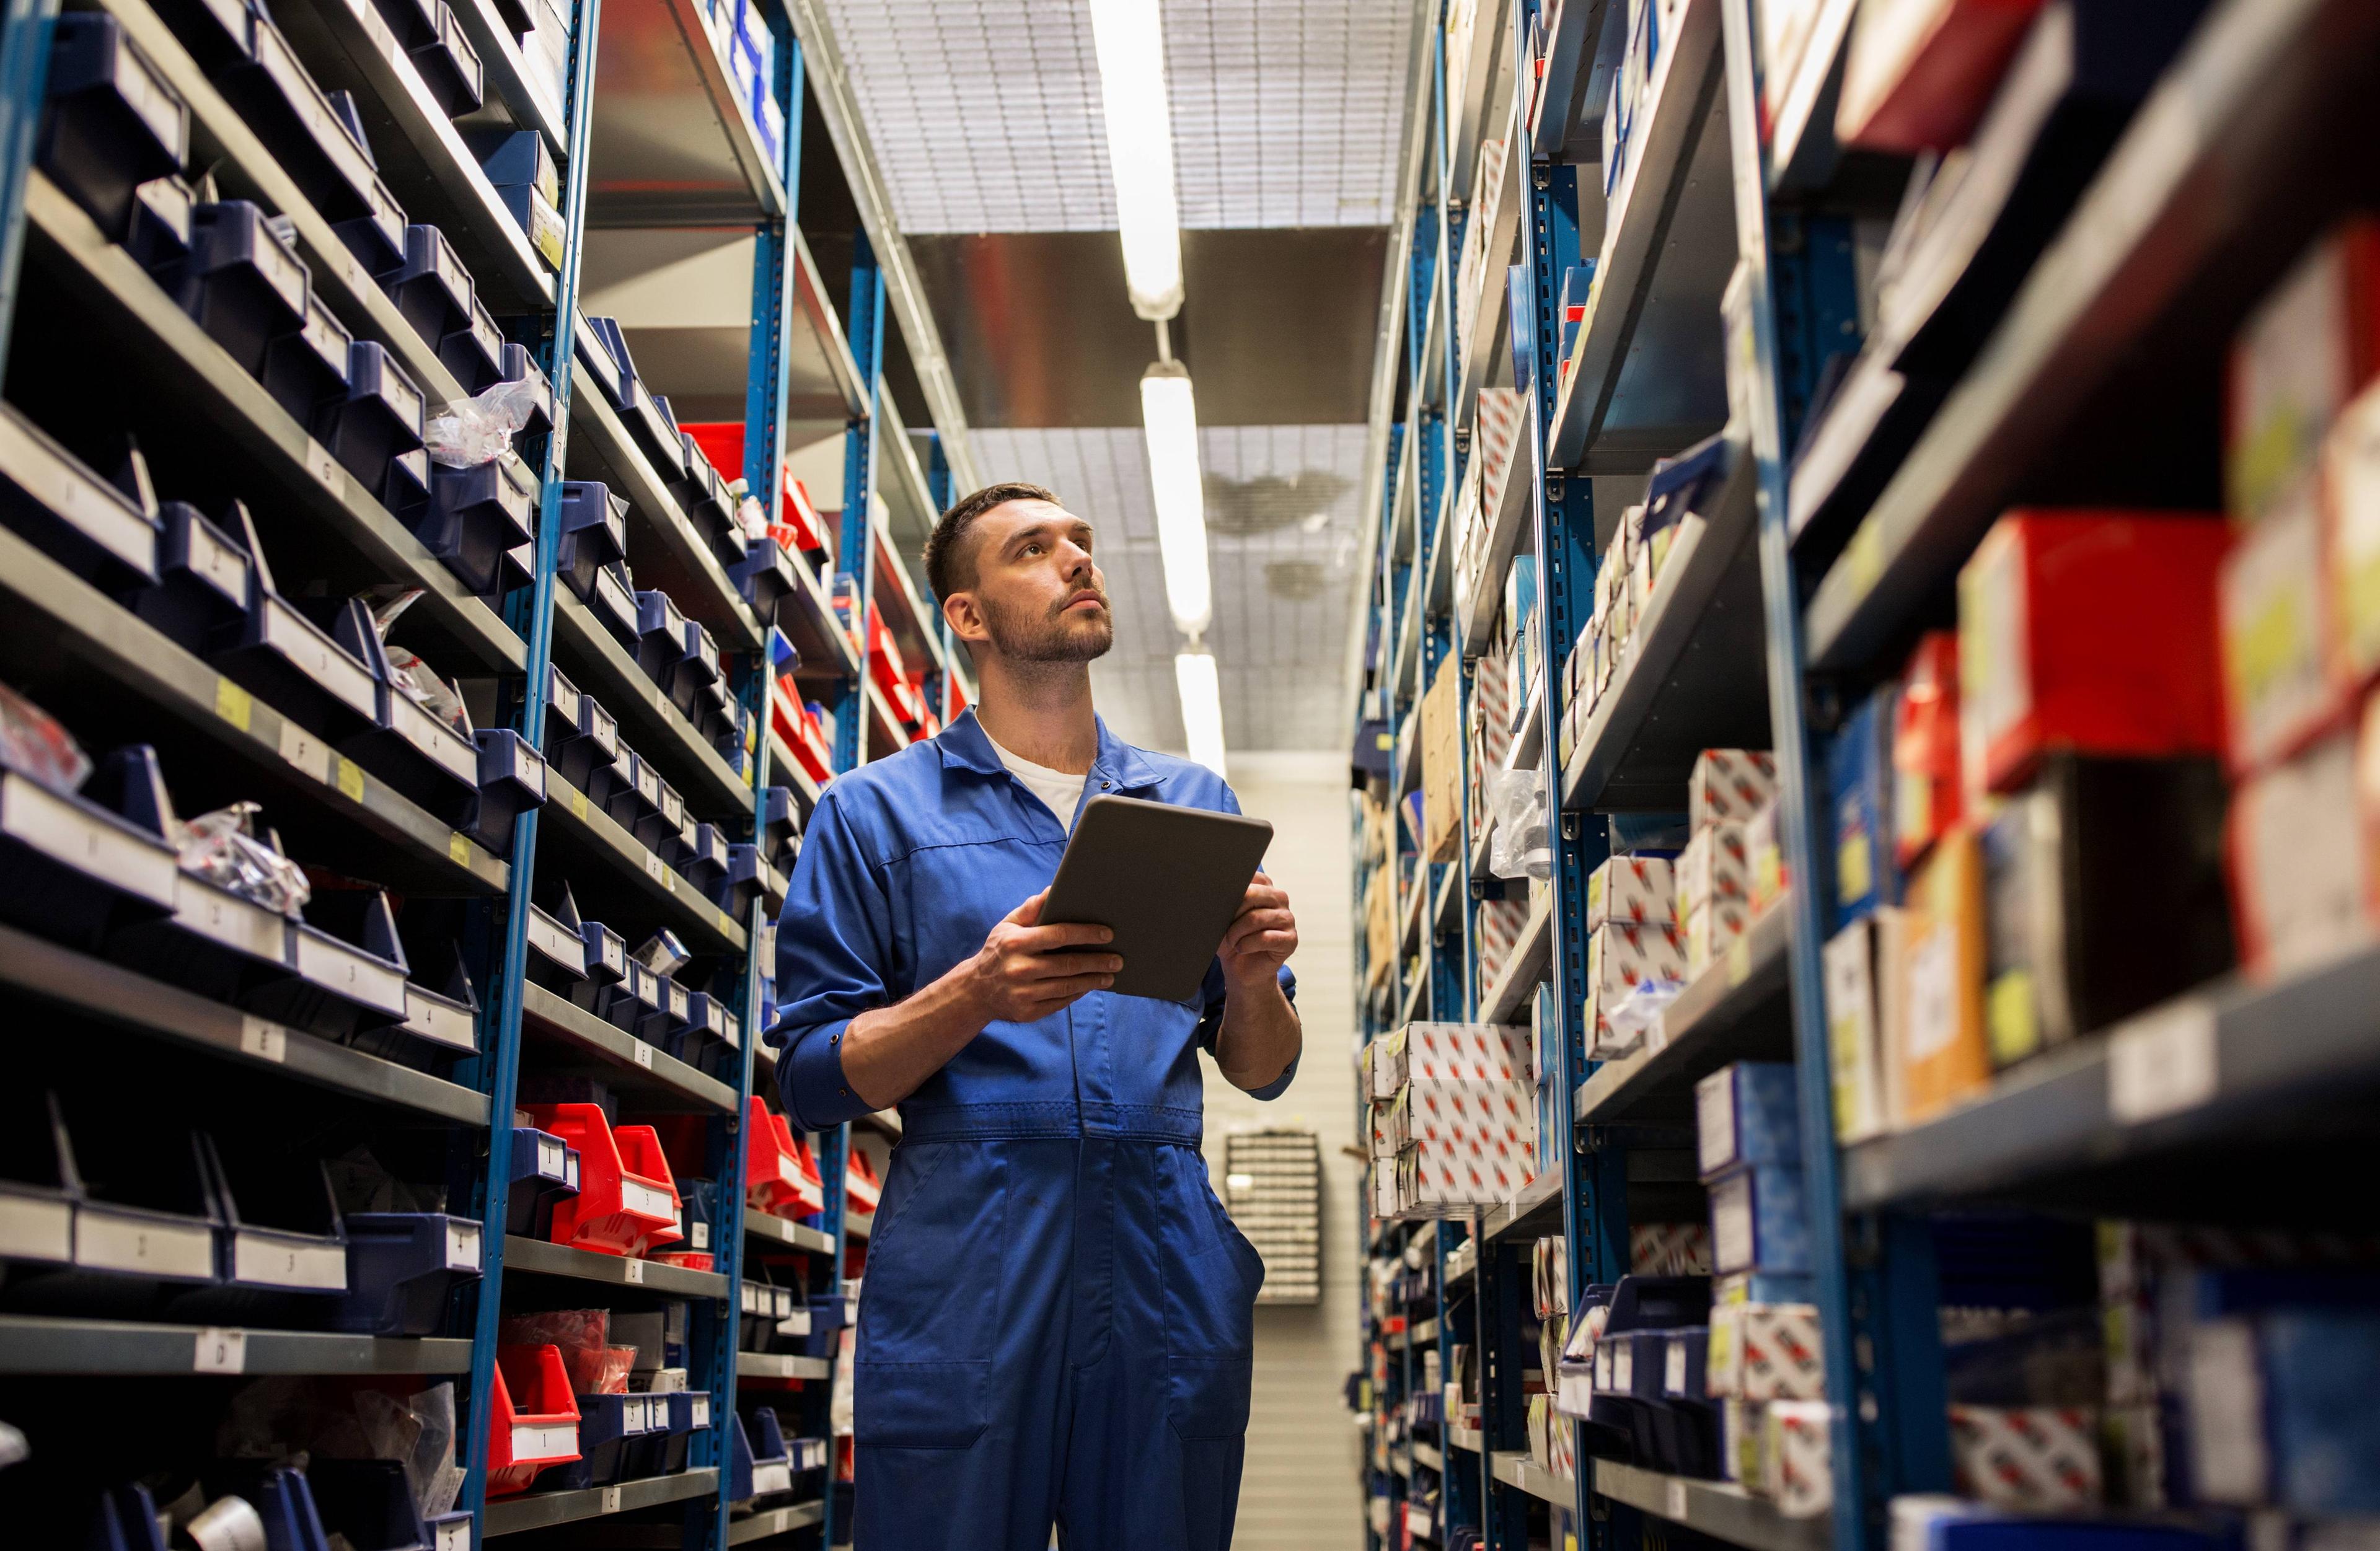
833	951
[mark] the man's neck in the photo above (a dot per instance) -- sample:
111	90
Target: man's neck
1039	712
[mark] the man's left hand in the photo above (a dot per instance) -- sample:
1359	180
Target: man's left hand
1261	937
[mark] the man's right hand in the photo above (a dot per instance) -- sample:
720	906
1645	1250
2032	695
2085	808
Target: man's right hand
1026	971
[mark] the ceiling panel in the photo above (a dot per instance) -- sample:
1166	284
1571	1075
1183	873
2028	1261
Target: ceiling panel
1281	540
985	113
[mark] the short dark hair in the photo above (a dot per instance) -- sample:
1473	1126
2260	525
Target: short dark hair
948	568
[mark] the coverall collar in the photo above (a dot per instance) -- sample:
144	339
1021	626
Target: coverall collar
1118	766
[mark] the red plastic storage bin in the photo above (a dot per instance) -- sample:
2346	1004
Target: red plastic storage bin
795	524
780	1178
627	1200
533	1421
861	1189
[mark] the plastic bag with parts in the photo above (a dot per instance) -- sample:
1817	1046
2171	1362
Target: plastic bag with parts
1522	845
222	848
480	429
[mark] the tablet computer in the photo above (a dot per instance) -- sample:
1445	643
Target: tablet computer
1166	880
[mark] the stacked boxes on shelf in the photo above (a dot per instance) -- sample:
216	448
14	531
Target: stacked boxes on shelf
1453	1117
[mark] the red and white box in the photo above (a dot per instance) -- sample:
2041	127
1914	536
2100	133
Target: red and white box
1668	1249
2280	690
1633	889
2040	1457
1619	959
2091	633
1728	784
1797	1457
2312	345
1711	930
1781	1356
2350	496
1457	1108
2300	877
1480	1052
1436	1177
1713	865
1386	1056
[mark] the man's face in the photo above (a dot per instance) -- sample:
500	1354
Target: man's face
1037	595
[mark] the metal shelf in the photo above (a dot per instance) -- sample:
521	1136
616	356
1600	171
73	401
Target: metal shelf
770	1364
1537	1208
651	880
858	1225
1423	1454
1803	151
319	523
1695	674
664	550
1519	1470
1466	1438
1715	1507
1733	1011
1475	611
418	152
1486	92
505	74
1478	352
2207	1100
671	145
538	1510
657	729
40	1344
1530	952
538	1257
658	1080
95	988
326	801
773	1521
1648	373
1408	668
2201	204
793	1235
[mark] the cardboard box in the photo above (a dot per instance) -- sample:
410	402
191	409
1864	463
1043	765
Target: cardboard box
1727	784
2301	875
1925	784
1796	1457
1714	866
1782	1358
1465	1111
1619	959
1764	858
1858	783
1741	1423
2090	632
1668	1249
2310	346
1713	929
1941	1055
2041	1459
1478	1052
1633	889
1387	1063
2102	897
1921	72
1760	1220
2349	497
2279	687
1441	765
1855	1056
1450	1176
2279	1412
1747	1112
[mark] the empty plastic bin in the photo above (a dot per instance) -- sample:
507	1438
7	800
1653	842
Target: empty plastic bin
736	888
780	826
401	1269
476	516
474	353
298	124
649	423
544	1172
581	737
512	782
519	366
765	576
74	865
323	672
377	417
608	1427
594	534
432	288
450	66
308	368
348	969
109	122
532	1420
241	283
627	1201
615	602
38	1188
281	1230
376	237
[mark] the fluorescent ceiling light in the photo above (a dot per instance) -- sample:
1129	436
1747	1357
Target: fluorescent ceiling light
1131	39
1202	707
1170	417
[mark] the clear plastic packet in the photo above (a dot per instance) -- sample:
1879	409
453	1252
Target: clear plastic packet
1522	843
753	521
480	429
34	744
1639	1008
222	848
580	1333
421	681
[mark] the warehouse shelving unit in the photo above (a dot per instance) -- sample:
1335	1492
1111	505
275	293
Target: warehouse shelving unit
1799	580
654	137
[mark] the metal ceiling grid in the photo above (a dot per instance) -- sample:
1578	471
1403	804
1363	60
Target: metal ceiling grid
985	113
1281	538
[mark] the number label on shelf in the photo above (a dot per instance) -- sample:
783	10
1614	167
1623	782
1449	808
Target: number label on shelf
1676	1501
264	1041
2162	1064
656	869
456	1536
610	1499
32	1229
219	1351
634	1270
323	467
644	1053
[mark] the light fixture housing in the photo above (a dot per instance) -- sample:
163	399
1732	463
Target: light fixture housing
1168	415
1202	707
1130	37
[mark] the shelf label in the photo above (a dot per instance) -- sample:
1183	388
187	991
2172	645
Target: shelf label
456	1536
459	849
107	1243
656	869
463	1246
228	919
1676	1503
644	1053
698	1235
234	703
218	1351
32	1228
610	1499
277	1262
1738	960
549	1156
263	1040
351	779
309	753
578	804
701	1409
2162	1064
645	1200
325	467
634	1270
532	1442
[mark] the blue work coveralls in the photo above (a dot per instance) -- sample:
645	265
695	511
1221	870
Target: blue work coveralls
1055	1325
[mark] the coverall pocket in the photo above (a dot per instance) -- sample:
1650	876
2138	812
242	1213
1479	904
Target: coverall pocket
1208	1396
922	1405
932	1297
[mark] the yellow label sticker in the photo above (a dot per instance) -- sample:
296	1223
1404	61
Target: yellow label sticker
578	804
351	780
459	849
1738	960
233	703
1854	866
726	924
1864	561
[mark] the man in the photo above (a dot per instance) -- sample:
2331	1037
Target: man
1056	1326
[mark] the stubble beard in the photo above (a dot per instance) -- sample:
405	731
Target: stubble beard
1054	638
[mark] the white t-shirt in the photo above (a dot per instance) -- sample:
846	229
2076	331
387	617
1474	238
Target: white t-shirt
1063	792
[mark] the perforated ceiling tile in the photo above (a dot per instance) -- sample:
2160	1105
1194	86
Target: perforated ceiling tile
1281	540
985	113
